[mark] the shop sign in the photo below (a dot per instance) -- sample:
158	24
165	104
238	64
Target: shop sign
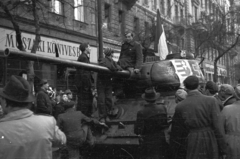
210	69
67	50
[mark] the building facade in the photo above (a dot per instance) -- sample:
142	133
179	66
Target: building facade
63	25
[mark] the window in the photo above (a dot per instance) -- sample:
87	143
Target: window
121	21
57	7
146	26
154	4
206	5
78	10
176	12
169	13
1	71
196	13
136	25
107	12
163	7
181	12
146	2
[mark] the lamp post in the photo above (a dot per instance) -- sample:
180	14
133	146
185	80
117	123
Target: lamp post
100	38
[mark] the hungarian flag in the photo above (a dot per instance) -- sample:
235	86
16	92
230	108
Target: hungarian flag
160	45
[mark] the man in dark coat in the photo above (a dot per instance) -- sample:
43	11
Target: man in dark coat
131	54
104	84
77	134
196	132
150	124
211	89
83	81
227	94
44	103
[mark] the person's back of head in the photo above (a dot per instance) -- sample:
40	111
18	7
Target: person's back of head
226	90
211	87
17	93
83	46
180	95
191	83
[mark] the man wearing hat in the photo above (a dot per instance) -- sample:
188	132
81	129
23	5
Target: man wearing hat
150	125
211	89
231	123
196	132
44	103
104	84
227	94
23	134
83	81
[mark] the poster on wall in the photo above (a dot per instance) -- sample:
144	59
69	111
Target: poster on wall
67	50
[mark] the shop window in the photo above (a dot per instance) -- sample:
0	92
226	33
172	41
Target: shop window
136	25
79	10
57	7
1	71
107	12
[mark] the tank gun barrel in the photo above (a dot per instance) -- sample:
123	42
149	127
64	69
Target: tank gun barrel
59	61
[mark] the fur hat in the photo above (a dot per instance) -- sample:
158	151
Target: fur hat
108	51
17	89
150	94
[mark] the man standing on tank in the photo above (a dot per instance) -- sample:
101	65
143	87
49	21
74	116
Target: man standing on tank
83	81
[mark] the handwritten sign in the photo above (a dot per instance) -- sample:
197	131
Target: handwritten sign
185	68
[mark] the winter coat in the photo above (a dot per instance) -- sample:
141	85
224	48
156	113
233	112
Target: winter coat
131	55
229	100
70	123
111	65
83	78
27	136
231	122
196	132
44	103
151	121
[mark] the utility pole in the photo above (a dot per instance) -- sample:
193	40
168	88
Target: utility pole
100	38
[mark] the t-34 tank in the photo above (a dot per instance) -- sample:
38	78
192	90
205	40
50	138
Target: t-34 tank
166	76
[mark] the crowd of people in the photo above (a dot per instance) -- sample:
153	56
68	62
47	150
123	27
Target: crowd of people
205	123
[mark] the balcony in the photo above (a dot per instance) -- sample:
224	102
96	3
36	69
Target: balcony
129	3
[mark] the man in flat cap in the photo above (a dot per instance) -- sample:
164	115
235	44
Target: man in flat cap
227	94
231	123
83	81
196	132
44	103
23	134
150	125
